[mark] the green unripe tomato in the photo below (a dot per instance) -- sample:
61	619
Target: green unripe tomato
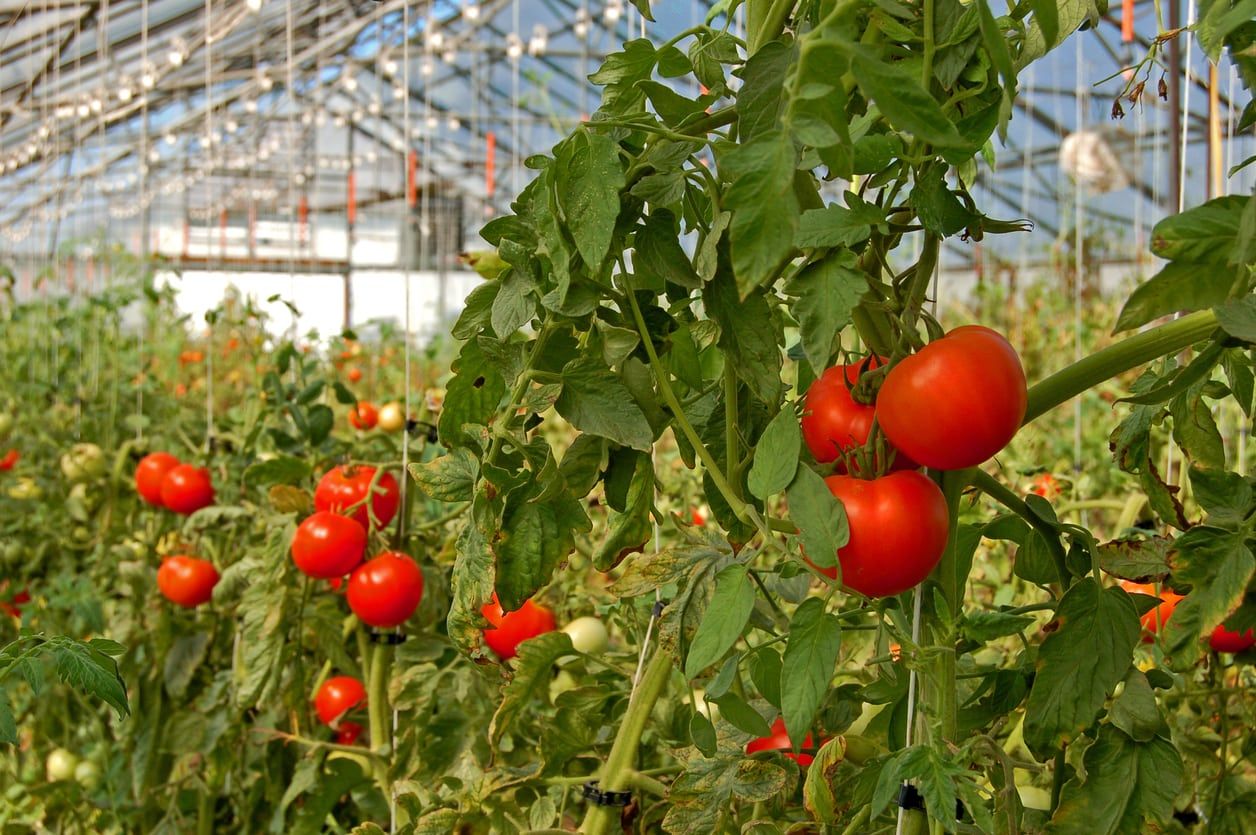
84	462
6	425
561	683
60	765
25	489
588	635
87	773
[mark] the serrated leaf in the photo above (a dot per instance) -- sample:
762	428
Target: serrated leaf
807	669
776	455
827	294
535	536
594	400
725	619
449	478
534	666
1140	560
91	672
283	469
1218	564
898	94
589	178
1079	664
820	517
288	499
764	206
1178	286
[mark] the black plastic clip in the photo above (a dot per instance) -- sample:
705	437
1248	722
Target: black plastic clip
659	606
910	798
413	426
590	792
390	638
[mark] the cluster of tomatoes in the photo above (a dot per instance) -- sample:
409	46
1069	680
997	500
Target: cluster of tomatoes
390	417
952	405
162	480
1221	639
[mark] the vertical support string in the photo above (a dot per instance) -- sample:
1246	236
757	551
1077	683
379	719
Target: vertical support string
208	162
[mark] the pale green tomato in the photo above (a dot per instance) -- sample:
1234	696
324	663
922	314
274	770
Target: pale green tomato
60	765
588	635
391	417
87	773
84	462
561	683
25	489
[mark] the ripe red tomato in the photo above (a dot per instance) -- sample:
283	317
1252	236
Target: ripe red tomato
348	733
355	374
187	488
364	415
384	591
9	459
1046	485
14	605
328	545
833	422
151	472
779	741
187	581
956	402
1156	618
510	629
1223	640
898	529
338	696
343	487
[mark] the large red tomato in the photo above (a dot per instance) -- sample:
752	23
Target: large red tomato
338	696
833	421
151	472
1156	618
187	488
898	529
384	591
1223	640
956	402
343	487
187	581
328	545
510	629
779	741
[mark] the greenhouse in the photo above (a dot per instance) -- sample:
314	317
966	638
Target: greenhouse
645	416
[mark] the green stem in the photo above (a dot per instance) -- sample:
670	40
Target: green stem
951	586
600	820
377	698
926	69
205	812
731	455
1129	353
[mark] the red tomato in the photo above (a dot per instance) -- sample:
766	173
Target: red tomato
14	606
1159	616
355	375
150	474
187	581
337	697
956	402
187	488
510	629
779	741
898	529
700	515
364	415
9	459
343	487
348	733
384	591
1221	640
336	583
833	422
1046	485
328	545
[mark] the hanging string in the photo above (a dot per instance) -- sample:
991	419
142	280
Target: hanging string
290	151
1026	157
1240	417
145	229
208	162
1079	265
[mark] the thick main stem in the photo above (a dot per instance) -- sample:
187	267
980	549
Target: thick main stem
377	698
617	773
946	700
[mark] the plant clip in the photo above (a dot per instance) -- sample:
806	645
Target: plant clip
412	427
391	638
590	792
659	606
909	797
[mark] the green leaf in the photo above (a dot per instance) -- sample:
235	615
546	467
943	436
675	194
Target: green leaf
1127	784
940	211
765	672
1177	287
514	306
810	659
1047	17
320	419
8	727
989	626
280	470
92	672
746	343
702	734
472	396
1238	318
590	176
776	455
534	667
898	95
594	400
833	226
725	619
535	536
449	478
185	656
634	64
1218	564
1219	18
1226	496
764	206
761	97
1070	15
1140	560
630	525
936	777
1079	664
707	785
1135	710
671	107
1203	235
473	576
820	517
657	251
1195	430
743	717
827	292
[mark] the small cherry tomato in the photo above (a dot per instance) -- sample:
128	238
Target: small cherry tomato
1156	618
341	488
60	765
348	733
338	696
1223	640
588	635
392	418
9	459
328	545
385	590
510	629
1046	485
355	374
779	741
187	488
363	415
151	472
187	581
